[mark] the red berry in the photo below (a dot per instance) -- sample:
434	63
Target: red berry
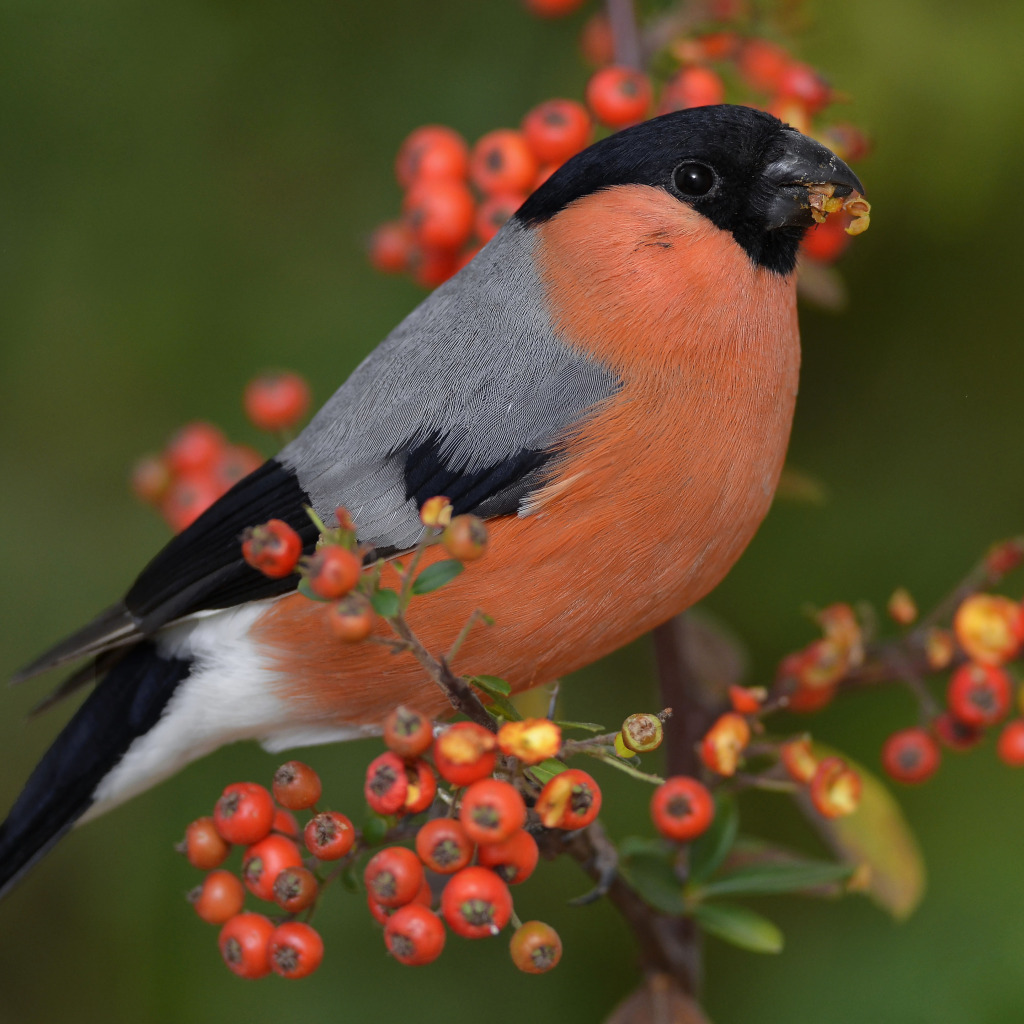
431	267
414	935
407	732
556	130
513	859
296	950
329	835
194	448
535	947
682	808
236	463
722	746
244	943
382	914
296	786
801	82
203	845
430	152
387	785
440	213
571	800
1011	743
476	903
273	548
444	846
391	247
422	787
277	401
835	788
692	87
465	538
826	242
491	811
393	876
332	571
285	823
597	43
763	64
352	618
150	479
188	498
502	161
979	695
910	756
295	889
244	813
619	96
494	211
219	898
747	700
465	752
955	734
265	860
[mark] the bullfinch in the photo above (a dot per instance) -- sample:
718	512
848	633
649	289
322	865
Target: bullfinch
610	383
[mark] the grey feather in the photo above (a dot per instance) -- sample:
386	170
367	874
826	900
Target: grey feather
478	365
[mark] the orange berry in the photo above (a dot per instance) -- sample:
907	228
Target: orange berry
351	619
619	96
414	935
762	64
979	695
295	888
494	212
597	44
465	752
826	242
682	808
835	788
265	860
910	756
476	903
747	700
939	648
332	571
465	538
571	800
436	511
244	943
285	823
408	732
956	735
724	743
244	813
431	267
491	811
535	947
801	82
187	498
273	548
329	836
390	247
557	129
989	628
901	607
431	152
1010	747
444	846
296	786
296	950
387	785
798	759
393	876
692	87
552	8
502	161
236	462
219	898
277	401
195	447
203	845
440	213
532	740
422	788
151	478
513	859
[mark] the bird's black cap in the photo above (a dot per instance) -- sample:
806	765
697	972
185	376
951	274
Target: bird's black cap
743	169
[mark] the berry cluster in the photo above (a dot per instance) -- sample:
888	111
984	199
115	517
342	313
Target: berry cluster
457	196
199	465
986	634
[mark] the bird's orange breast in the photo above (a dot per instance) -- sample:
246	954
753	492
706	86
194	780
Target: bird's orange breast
657	493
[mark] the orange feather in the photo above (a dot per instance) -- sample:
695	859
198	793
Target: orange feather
656	495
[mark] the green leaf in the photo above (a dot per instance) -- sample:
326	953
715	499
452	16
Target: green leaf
385	603
506	709
304	589
547	769
585	726
709	850
877	836
436	576
638	846
739	926
491	685
771	879
653	877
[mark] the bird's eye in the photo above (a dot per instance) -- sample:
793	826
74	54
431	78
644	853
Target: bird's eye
694	179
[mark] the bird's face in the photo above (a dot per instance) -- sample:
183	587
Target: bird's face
742	169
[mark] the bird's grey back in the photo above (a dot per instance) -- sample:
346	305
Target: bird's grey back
471	379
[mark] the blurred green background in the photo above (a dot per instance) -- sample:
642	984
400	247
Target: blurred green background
184	191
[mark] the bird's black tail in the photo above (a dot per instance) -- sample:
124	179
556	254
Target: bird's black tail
124	706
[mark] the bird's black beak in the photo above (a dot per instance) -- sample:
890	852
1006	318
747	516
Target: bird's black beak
804	162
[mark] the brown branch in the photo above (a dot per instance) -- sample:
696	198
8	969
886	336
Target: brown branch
625	33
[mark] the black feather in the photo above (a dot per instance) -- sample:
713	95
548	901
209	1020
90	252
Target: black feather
126	705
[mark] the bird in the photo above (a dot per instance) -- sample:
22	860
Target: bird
610	384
